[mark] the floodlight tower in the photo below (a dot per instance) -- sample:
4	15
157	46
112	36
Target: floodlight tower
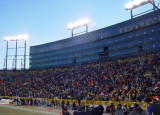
16	39
137	3
80	23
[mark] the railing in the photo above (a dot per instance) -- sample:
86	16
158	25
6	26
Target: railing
58	102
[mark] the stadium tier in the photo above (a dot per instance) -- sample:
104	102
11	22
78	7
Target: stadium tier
131	37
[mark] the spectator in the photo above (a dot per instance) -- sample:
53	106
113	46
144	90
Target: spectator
52	102
112	109
125	110
149	109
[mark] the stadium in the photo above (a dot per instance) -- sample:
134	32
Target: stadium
112	71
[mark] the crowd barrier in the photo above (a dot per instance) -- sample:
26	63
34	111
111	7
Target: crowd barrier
58	102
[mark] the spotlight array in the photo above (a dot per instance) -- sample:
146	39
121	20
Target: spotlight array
136	3
18	38
80	23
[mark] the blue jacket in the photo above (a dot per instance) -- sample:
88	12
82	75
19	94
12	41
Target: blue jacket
149	109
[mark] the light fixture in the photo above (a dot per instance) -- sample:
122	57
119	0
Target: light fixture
80	23
14	38
136	3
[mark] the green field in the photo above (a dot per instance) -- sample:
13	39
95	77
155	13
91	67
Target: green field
30	110
22	110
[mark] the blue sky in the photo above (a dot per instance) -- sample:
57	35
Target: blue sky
46	20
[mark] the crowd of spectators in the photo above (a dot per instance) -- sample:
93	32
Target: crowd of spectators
130	79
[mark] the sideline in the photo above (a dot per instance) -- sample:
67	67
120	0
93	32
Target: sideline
38	110
31	110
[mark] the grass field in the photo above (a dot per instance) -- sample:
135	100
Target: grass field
22	110
30	110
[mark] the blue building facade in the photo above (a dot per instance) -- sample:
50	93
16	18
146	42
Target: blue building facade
134	36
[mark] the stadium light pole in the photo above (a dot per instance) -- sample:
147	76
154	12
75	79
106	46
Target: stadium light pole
16	38
137	3
6	55
80	23
24	55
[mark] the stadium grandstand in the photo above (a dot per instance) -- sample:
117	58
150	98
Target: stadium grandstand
116	68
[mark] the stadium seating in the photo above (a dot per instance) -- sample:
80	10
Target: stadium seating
133	79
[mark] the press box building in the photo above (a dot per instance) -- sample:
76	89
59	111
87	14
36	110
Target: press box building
131	37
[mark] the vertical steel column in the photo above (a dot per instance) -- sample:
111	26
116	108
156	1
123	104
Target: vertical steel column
87	28
24	55
6	55
16	56
131	13
72	33
154	5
